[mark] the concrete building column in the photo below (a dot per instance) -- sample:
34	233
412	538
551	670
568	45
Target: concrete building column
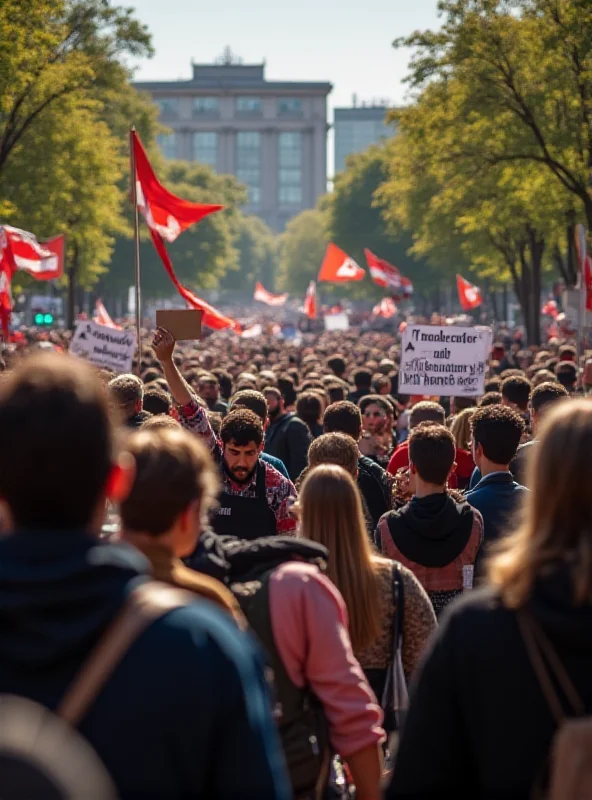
269	175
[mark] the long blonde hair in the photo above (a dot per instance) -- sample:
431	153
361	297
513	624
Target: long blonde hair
557	517
331	514
461	428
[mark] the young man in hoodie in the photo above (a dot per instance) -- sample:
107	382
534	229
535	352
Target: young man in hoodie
433	535
189	696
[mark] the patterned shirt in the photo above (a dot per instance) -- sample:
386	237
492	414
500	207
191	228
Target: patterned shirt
280	492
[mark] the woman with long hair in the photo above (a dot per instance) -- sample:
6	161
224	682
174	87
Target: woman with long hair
461	430
330	511
513	660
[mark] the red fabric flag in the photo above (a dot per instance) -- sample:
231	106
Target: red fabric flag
42	261
382	273
102	316
167	216
338	267
57	246
263	296
469	295
310	301
386	308
550	309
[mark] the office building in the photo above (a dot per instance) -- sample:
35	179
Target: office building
271	134
357	128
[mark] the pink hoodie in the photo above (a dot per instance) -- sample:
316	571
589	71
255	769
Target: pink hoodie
309	622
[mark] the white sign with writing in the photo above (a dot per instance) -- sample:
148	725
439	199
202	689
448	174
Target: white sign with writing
104	347
337	322
444	360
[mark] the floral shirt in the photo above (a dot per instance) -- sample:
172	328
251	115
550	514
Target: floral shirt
279	490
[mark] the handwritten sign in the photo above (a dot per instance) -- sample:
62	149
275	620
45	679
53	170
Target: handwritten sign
103	346
444	360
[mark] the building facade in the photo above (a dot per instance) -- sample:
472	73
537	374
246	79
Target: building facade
272	135
357	128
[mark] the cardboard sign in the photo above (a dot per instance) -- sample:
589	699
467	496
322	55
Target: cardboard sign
104	347
444	360
337	322
184	323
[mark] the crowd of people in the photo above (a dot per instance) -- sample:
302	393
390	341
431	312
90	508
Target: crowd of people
254	569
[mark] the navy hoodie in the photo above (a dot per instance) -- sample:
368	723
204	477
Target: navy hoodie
184	715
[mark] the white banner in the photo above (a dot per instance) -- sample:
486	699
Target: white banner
104	347
444	360
337	322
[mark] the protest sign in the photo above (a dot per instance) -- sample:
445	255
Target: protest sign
104	347
444	360
337	322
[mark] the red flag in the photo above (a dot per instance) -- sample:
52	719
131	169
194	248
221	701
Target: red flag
6	273
263	296
338	267
102	316
469	295
39	260
550	309
167	216
386	308
310	301
407	286
382	273
57	246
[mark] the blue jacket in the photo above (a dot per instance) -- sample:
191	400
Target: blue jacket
497	497
186	713
275	462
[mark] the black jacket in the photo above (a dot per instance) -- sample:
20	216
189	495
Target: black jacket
478	725
191	679
288	439
375	487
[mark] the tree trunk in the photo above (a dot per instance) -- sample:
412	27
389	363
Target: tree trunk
537	249
494	307
72	287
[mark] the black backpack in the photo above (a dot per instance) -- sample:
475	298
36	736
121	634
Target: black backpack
299	715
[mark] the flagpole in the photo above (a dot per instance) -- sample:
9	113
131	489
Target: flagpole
136	247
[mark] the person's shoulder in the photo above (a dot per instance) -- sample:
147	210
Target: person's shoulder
298	578
475	608
273	477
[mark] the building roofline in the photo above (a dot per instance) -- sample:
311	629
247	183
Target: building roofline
232	88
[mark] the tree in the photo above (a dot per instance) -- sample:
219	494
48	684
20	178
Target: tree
257	255
301	250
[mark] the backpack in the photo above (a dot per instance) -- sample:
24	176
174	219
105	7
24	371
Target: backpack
570	754
301	720
42	755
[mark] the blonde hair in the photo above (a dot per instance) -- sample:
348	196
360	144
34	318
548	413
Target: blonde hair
461	428
557	516
331	514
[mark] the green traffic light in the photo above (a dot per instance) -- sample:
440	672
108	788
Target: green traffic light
48	319
38	319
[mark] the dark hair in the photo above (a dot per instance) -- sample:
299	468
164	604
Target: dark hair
337	364
309	408
272	390
362	378
150	375
251	399
336	392
432	450
545	394
567	374
379	381
498	430
343	417
225	382
156	401
426	411
334	448
490	399
517	390
460	403
125	391
493	384
57	442
286	387
241	427
378	400
173	469
567	352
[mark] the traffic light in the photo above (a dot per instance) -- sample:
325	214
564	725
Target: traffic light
43	319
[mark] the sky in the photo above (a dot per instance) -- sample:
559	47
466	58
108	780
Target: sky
345	42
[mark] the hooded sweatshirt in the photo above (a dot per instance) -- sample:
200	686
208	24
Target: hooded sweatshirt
189	682
438	540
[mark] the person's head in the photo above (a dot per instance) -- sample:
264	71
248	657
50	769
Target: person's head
275	402
381	384
567	375
286	387
568	352
496	432
516	392
362	379
159	422
426	411
330	511
491	399
156	401
493	385
458	404
126	393
58	461
335	448
208	388
431	455
343	417
224	382
309	407
337	365
335	393
242	442
461	428
555	529
542	398
254	401
175	486
543	376
375	410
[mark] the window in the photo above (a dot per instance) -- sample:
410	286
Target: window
169	107
205	105
205	148
168	145
248	105
290	168
248	163
290	107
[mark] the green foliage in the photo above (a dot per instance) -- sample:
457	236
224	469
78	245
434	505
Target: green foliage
301	250
257	255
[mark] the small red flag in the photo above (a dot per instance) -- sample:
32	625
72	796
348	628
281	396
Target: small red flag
263	296
102	316
550	309
310	301
382	273
387	308
338	267
469	295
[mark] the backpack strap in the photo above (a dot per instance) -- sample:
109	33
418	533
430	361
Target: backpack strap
146	603
540	648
